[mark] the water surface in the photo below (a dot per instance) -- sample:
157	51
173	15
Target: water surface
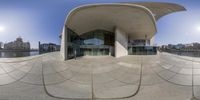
13	54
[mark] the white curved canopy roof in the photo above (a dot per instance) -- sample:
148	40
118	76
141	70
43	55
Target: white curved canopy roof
161	9
136	19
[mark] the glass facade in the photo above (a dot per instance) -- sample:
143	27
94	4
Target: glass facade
95	50
139	42
101	42
142	50
93	43
141	47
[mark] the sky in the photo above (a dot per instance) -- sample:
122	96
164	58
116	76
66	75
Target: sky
43	20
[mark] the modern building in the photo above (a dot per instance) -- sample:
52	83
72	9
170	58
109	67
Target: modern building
192	47
116	29
18	44
48	47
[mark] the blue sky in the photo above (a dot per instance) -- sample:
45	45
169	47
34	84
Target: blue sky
43	20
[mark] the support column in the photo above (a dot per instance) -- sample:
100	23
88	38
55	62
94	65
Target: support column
152	41
63	48
121	43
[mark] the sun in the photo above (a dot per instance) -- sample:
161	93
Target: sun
198	28
2	28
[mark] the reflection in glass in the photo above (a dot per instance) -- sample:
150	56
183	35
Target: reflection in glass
93	43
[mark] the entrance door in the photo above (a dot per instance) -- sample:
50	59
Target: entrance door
95	51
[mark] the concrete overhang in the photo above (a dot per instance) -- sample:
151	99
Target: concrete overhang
135	19
160	9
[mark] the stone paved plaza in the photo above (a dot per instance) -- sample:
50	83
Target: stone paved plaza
47	77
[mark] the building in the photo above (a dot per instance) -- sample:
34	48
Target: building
48	47
189	45
192	46
196	46
1	45
18	44
179	46
116	29
185	47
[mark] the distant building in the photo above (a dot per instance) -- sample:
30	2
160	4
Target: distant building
179	46
190	46
164	47
171	46
48	47
196	46
18	44
1	45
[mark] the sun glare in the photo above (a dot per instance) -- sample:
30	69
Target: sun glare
198	28
2	28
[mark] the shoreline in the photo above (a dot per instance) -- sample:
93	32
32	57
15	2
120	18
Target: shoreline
2	50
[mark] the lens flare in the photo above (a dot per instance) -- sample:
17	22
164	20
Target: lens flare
2	28
198	28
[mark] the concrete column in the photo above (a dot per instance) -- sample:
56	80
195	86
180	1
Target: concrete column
152	41
146	42
63	48
121	43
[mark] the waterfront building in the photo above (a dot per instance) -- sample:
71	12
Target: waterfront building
48	47
196	46
18	44
179	46
116	29
189	45
1	45
164	47
186	47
